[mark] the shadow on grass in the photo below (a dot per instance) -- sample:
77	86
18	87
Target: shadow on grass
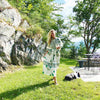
14	93
30	67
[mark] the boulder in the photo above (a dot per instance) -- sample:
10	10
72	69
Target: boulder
25	51
25	25
15	48
3	65
6	44
4	4
6	29
11	16
17	35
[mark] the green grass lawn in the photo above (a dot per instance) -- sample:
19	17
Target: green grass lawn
30	84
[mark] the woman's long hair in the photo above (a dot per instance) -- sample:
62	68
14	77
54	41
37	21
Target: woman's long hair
49	36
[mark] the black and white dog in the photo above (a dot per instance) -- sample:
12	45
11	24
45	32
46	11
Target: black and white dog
72	76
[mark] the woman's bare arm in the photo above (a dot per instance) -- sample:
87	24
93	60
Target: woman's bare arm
46	53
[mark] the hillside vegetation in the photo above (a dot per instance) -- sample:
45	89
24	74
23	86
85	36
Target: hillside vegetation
40	14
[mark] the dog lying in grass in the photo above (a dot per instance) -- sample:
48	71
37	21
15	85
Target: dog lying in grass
72	76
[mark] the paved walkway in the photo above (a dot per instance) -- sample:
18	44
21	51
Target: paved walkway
91	75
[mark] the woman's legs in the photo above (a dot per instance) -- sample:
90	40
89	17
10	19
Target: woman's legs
55	80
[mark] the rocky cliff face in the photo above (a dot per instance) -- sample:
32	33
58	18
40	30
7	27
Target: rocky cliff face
15	48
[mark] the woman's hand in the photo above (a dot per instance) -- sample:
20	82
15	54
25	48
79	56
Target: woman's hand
57	47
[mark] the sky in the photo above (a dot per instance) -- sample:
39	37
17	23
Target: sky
67	7
60	1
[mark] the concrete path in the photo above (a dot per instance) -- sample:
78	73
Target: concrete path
91	75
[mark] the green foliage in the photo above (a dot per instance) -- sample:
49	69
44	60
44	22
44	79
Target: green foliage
84	9
71	31
65	53
34	30
69	51
35	18
87	14
81	49
59	26
37	12
72	27
44	37
66	43
73	52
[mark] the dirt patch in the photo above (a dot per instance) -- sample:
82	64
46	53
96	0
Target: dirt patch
11	69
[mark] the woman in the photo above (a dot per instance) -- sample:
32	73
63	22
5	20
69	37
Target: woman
52	56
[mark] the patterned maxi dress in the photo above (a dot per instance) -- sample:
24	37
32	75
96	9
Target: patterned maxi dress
52	59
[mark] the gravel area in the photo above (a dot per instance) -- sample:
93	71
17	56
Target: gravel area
91	75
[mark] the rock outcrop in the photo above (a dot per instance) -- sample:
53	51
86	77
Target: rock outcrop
4	4
25	51
16	48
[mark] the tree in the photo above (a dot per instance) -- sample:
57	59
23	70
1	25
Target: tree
40	11
81	49
87	15
59	26
73	51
